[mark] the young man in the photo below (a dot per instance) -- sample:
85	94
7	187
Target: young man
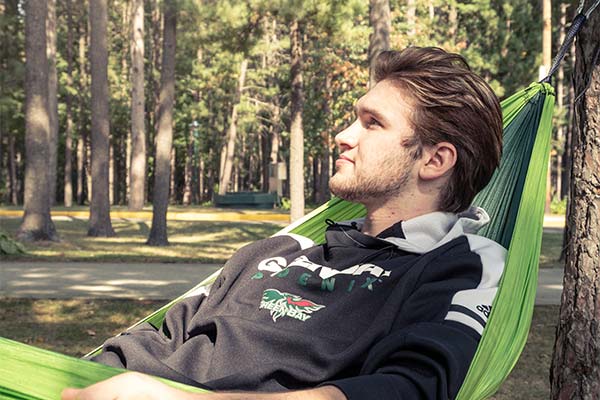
392	306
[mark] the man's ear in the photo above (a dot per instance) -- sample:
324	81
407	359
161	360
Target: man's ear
437	160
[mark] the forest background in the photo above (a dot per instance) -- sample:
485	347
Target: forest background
233	88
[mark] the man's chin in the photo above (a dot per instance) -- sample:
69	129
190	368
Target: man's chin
345	193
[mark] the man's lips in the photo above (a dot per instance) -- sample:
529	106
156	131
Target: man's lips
343	159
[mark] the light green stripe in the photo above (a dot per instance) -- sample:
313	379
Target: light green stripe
507	328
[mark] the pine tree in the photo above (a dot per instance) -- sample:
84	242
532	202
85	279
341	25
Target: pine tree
575	371
37	224
100	223
164	134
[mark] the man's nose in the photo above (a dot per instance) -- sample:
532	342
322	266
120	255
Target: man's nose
348	138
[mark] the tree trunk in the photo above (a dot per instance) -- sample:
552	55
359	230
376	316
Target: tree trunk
52	100
546	61
296	129
68	171
100	224
164	135
201	196
411	19
575	371
567	159
137	180
560	94
111	173
80	171
431	8
379	16
323	187
264	162
82	153
188	169
128	168
570	129
88	168
232	132
453	21
274	156
155	56
37	224
172	173
12	165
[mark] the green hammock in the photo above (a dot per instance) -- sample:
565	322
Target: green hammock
514	200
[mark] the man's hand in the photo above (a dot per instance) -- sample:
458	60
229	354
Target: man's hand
133	385
127	386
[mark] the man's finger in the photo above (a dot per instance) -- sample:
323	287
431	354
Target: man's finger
69	394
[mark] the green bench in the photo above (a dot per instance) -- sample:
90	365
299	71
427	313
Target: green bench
253	200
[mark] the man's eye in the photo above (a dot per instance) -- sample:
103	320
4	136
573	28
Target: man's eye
372	122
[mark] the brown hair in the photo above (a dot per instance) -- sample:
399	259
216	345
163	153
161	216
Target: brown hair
455	105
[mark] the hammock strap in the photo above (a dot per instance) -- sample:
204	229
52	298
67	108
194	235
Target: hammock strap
576	26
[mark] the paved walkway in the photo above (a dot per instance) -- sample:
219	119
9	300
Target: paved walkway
100	280
147	281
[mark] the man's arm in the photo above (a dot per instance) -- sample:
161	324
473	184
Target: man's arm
133	385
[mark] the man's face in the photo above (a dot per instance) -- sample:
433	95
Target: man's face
373	163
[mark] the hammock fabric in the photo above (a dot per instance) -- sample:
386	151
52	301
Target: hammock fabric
514	200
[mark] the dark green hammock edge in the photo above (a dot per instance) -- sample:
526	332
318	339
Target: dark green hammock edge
515	201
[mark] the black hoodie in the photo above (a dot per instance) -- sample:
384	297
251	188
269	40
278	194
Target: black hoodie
396	316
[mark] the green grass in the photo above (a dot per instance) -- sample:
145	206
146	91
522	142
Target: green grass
75	327
190	241
530	380
72	327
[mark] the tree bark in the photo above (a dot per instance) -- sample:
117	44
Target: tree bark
52	100
68	171
188	169
201	179
296	129
575	371
172	183
232	132
560	94
12	165
100	224
323	188
546	61
164	135
379	16
111	173
137	180
275	136
36	224
82	159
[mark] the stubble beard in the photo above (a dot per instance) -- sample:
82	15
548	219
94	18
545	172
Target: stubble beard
364	187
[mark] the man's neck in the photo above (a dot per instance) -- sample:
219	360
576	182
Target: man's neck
382	215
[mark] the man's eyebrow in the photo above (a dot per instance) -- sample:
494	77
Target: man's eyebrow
368	110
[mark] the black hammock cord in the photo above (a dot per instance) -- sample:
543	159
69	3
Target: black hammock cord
576	25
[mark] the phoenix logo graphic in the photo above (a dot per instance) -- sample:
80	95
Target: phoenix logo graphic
282	304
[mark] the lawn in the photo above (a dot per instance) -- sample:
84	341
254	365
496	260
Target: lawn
77	326
190	241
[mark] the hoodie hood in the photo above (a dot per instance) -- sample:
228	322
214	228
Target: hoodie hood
429	231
